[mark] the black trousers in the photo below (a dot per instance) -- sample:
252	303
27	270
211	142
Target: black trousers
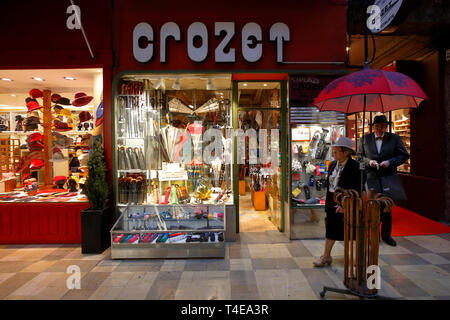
386	225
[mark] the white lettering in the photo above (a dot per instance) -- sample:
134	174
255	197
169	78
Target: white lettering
279	32
73	21
374	280
374	20
73	281
220	54
197	54
251	42
169	29
143	54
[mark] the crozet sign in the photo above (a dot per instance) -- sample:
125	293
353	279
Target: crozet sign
251	44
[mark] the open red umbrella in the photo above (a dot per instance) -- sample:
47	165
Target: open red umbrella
370	90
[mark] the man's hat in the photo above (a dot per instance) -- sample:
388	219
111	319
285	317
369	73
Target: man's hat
34	137
36	93
380	119
81	99
33	105
36	164
84	116
63	101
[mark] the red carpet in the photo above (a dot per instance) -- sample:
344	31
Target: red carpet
409	223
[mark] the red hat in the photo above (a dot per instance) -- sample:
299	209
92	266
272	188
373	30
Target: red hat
81	99
36	164
36	93
35	137
55	97
99	122
59	178
33	105
61	126
84	116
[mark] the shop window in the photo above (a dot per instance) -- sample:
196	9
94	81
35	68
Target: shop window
48	120
173	145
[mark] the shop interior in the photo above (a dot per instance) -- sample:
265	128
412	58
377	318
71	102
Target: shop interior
47	122
400	125
260	175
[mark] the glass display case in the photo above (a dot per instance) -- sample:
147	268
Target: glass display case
173	151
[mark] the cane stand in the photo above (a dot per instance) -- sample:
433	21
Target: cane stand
361	239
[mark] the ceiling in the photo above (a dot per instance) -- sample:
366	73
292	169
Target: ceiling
13	93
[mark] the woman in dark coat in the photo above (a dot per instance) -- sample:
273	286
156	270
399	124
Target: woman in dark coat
343	173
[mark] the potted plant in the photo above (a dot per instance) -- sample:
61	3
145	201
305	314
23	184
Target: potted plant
95	221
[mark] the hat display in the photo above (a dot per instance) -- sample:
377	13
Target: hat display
65	112
380	119
34	137
55	97
61	141
344	142
61	126
33	105
36	164
81	99
36	93
63	101
57	108
35	146
84	116
3	127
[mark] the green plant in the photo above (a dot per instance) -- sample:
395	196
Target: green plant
96	186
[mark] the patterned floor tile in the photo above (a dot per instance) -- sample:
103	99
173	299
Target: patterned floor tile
434	258
403	259
434	243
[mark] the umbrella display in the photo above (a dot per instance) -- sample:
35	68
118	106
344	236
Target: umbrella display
209	106
175	105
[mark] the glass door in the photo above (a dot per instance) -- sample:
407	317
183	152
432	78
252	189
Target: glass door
259	161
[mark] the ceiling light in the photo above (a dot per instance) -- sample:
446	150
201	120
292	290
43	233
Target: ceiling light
69	78
13	95
176	84
158	83
209	85
37	79
6	79
265	84
245	84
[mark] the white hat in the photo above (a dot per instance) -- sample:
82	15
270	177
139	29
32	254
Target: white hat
344	142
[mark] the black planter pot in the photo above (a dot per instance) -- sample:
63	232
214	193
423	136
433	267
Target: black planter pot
95	227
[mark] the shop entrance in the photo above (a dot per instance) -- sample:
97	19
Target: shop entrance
258	151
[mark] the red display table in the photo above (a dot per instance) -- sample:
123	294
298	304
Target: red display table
40	223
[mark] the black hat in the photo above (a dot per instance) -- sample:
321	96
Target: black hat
380	119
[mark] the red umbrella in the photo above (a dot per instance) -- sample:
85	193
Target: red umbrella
372	91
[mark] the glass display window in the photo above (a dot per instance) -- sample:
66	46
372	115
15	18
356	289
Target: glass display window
47	123
173	152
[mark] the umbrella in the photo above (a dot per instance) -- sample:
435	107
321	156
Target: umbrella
175	105
209	106
370	90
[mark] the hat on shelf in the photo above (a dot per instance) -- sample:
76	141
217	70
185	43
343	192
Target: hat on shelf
57	108
65	112
33	105
59	178
36	164
36	93
19	117
32	120
84	116
3	127
81	99
35	146
86	137
34	137
56	98
61	141
61	126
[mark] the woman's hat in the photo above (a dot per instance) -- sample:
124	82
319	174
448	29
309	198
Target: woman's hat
380	119
36	93
34	137
65	112
55	97
346	143
84	116
81	99
33	105
63	101
36	164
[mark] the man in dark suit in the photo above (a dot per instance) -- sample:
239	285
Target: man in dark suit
383	153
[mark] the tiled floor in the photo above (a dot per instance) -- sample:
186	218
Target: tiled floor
261	265
251	220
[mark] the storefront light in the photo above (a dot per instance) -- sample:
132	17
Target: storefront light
176	84
37	79
69	78
6	79
245	84
209	85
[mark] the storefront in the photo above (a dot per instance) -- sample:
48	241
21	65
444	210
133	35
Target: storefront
170	79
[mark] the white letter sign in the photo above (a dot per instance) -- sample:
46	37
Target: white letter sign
220	54
143	54
169	29
197	54
251	36
74	21
279	32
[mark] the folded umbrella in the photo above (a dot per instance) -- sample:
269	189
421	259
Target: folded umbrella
176	105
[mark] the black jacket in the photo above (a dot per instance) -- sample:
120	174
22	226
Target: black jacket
392	149
350	177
